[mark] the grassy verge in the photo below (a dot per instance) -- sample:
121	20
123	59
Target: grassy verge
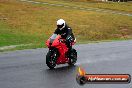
25	23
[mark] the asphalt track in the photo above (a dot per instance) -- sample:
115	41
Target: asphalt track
27	68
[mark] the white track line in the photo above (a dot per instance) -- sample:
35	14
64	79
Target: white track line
80	8
13	46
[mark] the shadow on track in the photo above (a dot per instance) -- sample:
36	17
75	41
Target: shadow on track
64	69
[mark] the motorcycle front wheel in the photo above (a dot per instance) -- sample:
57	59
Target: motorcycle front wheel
73	57
51	59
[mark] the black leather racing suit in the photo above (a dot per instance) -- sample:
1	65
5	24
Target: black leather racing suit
66	33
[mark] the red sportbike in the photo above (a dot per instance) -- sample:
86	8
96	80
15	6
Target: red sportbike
58	52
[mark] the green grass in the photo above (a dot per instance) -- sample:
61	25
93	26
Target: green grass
25	23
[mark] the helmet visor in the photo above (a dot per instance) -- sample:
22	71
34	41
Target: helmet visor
60	26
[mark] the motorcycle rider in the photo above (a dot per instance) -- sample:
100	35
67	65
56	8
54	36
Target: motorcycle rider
66	33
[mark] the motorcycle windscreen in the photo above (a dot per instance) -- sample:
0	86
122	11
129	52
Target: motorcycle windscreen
53	37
